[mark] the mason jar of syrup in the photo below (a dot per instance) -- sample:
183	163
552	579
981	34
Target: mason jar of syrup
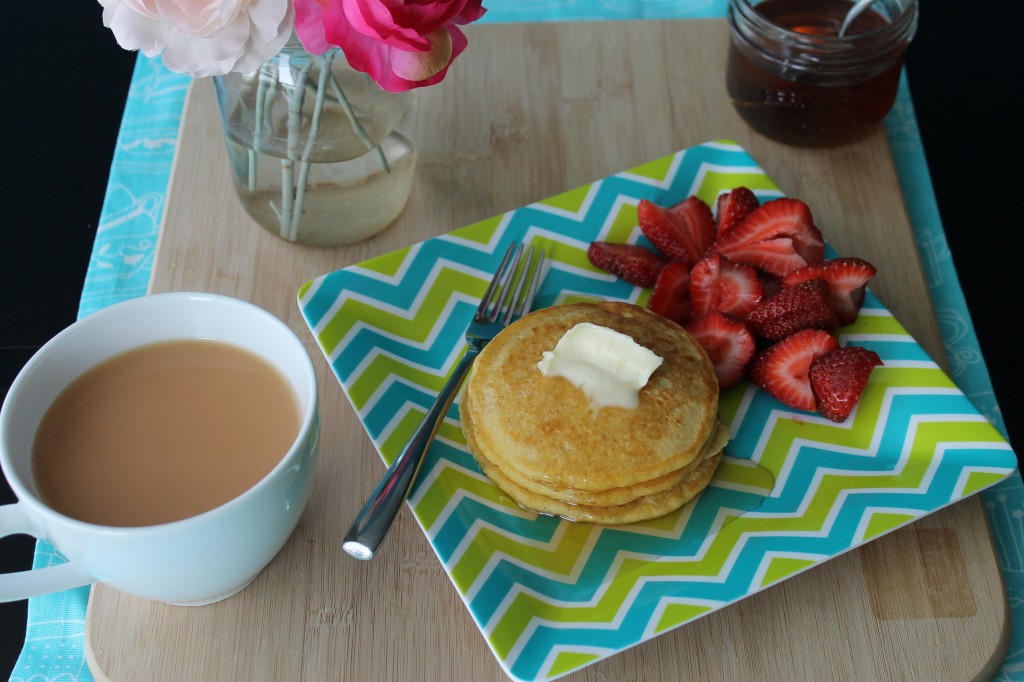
793	78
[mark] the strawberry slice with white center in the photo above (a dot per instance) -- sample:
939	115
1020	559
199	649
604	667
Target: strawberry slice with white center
777	237
716	283
682	232
839	378
782	370
671	295
728	343
699	221
732	207
847	280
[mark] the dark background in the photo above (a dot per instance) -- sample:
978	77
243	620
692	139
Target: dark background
65	85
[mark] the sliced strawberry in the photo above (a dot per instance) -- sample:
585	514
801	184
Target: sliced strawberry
781	370
732	207
838	380
635	264
699	221
807	305
847	280
671	295
683	232
716	283
728	343
777	237
810	243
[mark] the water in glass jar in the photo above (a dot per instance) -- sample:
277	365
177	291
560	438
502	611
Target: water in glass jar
342	202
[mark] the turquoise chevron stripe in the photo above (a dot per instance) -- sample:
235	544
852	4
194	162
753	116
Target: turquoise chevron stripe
552	596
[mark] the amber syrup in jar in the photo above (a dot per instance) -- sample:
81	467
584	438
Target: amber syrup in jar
794	79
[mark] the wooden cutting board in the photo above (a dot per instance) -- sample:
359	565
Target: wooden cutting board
531	110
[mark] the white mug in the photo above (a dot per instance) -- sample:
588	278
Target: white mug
197	560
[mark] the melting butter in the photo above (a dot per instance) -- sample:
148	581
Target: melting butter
608	366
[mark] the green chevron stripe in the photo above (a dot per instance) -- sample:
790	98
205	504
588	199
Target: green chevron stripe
665	524
480	232
868	414
560	559
620	585
401	435
380	368
934	434
450	480
446	283
563	253
746	473
571	201
676	614
387	264
447	482
717	181
567	661
876	324
780	442
622	225
883	522
403	432
928	438
978	480
782	567
658	169
525	607
911	377
730	401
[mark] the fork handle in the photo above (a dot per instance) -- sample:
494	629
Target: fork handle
374	520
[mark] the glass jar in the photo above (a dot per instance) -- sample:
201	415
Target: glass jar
313	147
793	78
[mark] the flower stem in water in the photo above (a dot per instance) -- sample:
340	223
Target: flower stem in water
314	132
357	127
266	76
295	98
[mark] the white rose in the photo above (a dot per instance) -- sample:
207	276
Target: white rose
202	37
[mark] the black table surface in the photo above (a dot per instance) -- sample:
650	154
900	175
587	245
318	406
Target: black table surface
66	82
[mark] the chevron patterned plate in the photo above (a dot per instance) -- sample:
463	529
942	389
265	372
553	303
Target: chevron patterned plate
552	596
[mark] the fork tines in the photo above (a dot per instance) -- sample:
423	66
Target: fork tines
506	288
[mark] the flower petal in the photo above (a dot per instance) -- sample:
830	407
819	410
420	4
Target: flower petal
248	32
401	44
309	25
419	66
405	25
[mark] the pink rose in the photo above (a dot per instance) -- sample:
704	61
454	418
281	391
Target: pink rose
401	44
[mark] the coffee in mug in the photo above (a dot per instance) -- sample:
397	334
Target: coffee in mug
163	432
193	459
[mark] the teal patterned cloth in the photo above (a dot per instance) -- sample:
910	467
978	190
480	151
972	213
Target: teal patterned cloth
124	249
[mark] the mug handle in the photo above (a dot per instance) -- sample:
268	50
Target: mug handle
25	584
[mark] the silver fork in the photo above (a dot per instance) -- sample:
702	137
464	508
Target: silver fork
503	302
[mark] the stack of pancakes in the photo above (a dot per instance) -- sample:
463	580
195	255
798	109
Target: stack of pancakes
539	440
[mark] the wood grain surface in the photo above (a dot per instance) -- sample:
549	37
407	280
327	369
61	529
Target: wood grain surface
529	111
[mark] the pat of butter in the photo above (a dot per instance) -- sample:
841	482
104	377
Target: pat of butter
608	366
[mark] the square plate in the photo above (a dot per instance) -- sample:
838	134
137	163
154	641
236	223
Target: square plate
551	596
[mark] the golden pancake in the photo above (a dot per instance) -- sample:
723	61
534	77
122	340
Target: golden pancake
641	509
543	428
613	496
